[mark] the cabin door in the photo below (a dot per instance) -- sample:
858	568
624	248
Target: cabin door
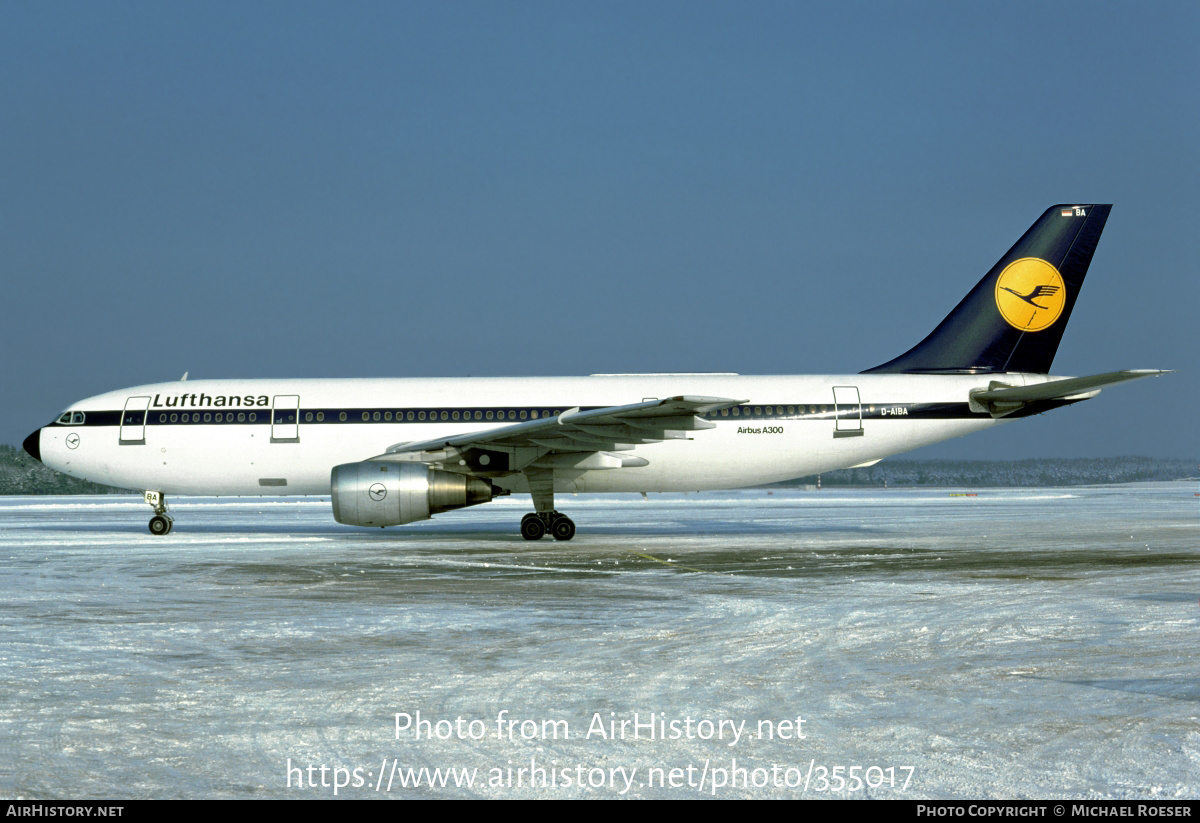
133	422
285	418
848	412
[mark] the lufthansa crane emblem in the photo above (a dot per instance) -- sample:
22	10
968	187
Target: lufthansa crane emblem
378	491
1030	294
72	441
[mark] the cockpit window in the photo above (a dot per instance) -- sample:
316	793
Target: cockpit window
71	419
76	418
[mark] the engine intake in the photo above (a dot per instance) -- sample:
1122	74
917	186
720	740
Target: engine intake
378	493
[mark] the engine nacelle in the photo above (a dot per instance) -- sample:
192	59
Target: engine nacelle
380	493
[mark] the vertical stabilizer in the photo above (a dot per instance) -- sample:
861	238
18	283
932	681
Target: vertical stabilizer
1013	320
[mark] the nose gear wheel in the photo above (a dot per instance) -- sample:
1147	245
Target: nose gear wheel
161	523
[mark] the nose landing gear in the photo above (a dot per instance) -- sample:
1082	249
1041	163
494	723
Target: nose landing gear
161	523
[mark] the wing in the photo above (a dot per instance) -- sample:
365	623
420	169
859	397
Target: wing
580	439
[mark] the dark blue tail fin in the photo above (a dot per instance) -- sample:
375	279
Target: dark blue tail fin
1013	320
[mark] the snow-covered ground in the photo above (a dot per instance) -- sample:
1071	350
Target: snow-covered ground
907	644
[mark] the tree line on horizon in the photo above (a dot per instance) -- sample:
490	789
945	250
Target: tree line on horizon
21	474
1051	471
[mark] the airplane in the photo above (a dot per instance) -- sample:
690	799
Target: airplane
396	451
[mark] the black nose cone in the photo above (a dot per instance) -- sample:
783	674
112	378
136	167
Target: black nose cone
33	445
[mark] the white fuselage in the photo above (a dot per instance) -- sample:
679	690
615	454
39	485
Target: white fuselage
789	427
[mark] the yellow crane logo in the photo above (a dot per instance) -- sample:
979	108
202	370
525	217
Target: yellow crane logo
1030	294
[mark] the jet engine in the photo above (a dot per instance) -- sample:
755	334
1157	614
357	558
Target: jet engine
379	493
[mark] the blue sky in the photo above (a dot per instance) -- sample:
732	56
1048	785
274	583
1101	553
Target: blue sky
456	188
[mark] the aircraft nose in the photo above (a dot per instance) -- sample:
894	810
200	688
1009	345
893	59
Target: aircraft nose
33	445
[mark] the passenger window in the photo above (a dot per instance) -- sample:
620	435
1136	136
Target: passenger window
342	416
208	417
174	418
478	415
242	417
455	415
512	415
735	411
253	415
387	416
489	414
162	418
444	415
320	417
410	415
523	414
376	417
308	417
534	414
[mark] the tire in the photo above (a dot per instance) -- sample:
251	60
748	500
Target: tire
532	527
563	528
159	525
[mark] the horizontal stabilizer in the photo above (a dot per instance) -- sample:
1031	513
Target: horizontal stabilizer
1000	399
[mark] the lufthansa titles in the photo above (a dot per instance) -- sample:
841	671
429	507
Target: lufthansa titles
213	401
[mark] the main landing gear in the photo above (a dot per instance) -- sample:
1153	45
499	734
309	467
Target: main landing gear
161	523
545	519
535	525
